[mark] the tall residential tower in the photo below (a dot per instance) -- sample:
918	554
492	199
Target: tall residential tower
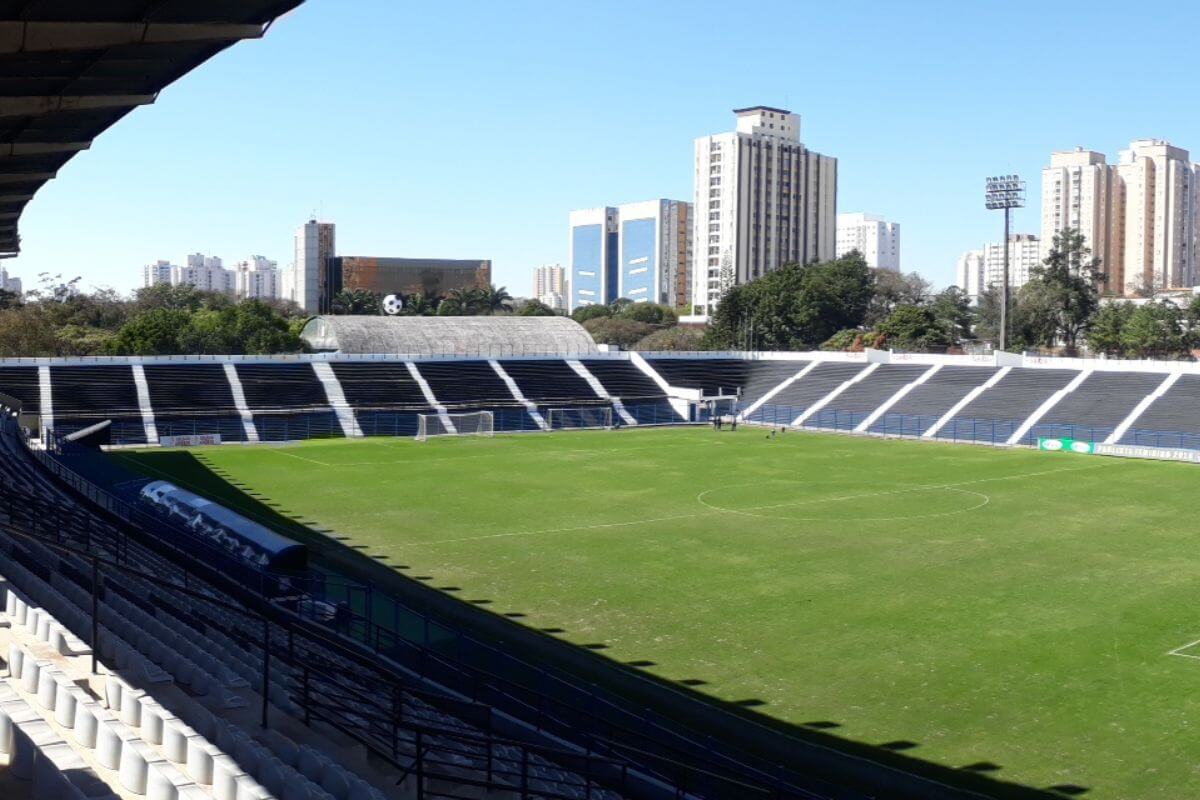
874	237
762	199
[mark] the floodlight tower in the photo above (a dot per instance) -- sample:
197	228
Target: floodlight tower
1006	192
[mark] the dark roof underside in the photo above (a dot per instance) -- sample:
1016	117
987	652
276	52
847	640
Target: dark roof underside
71	68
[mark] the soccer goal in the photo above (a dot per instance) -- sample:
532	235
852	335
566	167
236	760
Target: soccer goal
579	418
474	423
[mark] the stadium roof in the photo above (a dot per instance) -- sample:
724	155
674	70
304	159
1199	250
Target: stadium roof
435	336
69	69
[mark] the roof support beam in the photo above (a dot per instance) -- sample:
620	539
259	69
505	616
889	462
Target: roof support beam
25	177
45	37
53	104
41	148
24	197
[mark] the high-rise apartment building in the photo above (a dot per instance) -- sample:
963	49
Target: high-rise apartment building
1082	192
1024	254
206	273
550	286
1159	195
257	277
640	251
1140	217
762	199
874	237
307	282
156	273
969	274
979	270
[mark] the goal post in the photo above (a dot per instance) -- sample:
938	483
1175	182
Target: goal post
579	418
474	423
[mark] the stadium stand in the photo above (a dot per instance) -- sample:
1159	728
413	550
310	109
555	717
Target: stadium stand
997	413
287	401
1171	420
193	399
1095	409
853	406
639	396
23	384
711	375
470	385
792	401
551	383
384	396
85	395
917	411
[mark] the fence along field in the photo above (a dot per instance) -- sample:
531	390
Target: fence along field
983	606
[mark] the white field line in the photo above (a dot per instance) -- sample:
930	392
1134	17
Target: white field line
283	452
1176	651
718	510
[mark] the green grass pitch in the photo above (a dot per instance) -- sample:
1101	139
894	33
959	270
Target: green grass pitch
1008	611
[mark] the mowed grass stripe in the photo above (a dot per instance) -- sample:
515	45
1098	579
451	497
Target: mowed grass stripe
1030	633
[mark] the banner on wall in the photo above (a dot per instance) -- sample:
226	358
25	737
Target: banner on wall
1055	445
190	440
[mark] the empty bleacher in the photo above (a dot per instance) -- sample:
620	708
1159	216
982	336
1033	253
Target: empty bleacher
999	411
464	386
641	397
22	383
287	401
1171	420
790	403
191	399
551	383
712	375
1096	407
385	397
853	406
918	410
83	396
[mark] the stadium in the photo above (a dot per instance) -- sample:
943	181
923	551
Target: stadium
484	557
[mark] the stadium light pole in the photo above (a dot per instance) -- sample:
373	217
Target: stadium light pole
1004	192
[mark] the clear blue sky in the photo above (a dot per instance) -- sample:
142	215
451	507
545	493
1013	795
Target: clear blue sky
469	129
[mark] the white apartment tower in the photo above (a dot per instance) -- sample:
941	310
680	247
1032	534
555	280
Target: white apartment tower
875	238
969	274
257	277
156	273
1024	253
762	199
1081	191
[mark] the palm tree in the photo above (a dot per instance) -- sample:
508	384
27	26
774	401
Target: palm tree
419	305
355	301
492	300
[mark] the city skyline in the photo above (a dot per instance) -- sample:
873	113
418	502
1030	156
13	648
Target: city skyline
919	158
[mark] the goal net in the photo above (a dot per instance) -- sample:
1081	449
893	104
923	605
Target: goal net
475	423
579	418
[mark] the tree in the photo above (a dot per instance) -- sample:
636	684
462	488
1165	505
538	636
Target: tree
356	302
583	313
894	289
259	330
1066	285
622	332
419	305
535	308
650	313
678	338
1154	330
1104	335
913	328
794	307
152	333
952	309
164	295
492	300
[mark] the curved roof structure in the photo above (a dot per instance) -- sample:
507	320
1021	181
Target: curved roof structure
436	336
69	69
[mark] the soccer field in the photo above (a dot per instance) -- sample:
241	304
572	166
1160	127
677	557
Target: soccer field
1018	614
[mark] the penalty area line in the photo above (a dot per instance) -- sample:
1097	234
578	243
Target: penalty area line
1178	650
